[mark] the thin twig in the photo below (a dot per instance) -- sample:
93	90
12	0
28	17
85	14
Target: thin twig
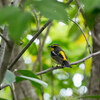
68	2
7	42
79	6
52	85
30	42
40	64
34	11
12	88
96	40
42	45
77	14
3	86
73	63
39	52
44	38
38	19
90	51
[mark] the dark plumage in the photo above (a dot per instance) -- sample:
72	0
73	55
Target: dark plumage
59	55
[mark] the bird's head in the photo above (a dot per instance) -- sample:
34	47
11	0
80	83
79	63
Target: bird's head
54	46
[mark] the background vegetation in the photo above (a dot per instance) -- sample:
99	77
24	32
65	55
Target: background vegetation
20	21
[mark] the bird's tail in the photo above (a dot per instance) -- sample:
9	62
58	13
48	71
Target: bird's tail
66	64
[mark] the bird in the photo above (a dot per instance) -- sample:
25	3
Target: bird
59	55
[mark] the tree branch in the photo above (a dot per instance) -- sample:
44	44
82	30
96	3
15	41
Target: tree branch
3	86
39	52
96	40
26	47
73	63
5	53
79	6
68	2
12	88
42	45
90	51
4	38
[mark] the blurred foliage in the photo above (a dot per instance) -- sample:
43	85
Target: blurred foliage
16	19
56	11
62	32
91	12
91	96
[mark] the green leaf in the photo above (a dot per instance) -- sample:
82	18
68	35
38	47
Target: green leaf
74	32
91	96
51	9
8	13
33	49
16	19
9	77
91	12
95	4
29	75
34	80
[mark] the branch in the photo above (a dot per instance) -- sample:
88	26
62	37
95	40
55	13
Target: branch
3	86
90	51
77	14
73	63
79	6
68	2
39	52
42	45
27	46
5	39
44	38
37	19
5	53
12	88
96	40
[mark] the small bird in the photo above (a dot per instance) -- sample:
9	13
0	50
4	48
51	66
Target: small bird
59	55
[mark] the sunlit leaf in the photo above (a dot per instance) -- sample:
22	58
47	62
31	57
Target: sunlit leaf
34	80
88	64
81	39
29	75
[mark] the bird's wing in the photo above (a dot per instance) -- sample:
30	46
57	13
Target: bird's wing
62	55
59	55
56	55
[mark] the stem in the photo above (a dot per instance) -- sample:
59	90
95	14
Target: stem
3	86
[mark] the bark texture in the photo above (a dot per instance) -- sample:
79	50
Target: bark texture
94	86
23	89
4	49
5	53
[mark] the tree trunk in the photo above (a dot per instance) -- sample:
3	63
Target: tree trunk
23	89
94	86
